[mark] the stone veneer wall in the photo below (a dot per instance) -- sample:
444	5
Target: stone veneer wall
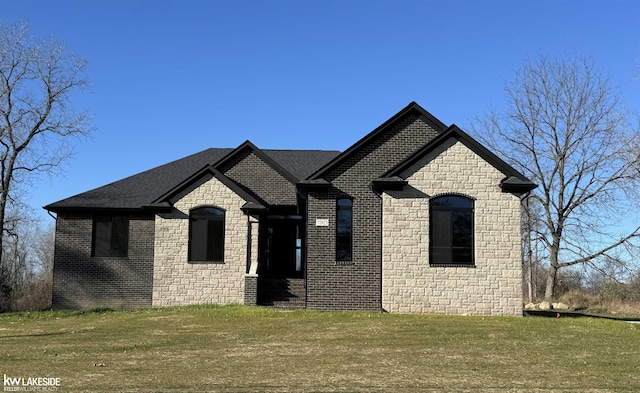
409	284
176	281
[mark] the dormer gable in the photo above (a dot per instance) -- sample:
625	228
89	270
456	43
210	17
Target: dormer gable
375	136
513	182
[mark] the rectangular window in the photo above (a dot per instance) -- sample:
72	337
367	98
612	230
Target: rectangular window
298	250
344	229
110	236
206	234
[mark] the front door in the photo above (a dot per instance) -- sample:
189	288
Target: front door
281	246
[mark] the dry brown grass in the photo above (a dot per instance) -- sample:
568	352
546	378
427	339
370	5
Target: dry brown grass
580	300
35	296
248	349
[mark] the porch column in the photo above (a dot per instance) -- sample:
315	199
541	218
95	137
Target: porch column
251	276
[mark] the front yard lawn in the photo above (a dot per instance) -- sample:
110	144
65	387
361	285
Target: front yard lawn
251	349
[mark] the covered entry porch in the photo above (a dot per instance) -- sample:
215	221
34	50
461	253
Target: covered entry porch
276	277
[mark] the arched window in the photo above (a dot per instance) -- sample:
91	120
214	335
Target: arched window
344	229
451	230
206	234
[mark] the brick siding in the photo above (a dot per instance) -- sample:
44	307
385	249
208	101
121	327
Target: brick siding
248	170
251	289
409	284
356	285
83	281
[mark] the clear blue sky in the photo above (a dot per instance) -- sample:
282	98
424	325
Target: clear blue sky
171	78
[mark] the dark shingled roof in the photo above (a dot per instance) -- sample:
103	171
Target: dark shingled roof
140	190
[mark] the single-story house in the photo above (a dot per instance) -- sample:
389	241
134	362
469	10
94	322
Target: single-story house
416	217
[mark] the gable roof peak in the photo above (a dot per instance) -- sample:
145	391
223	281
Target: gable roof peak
262	155
514	181
412	107
247	143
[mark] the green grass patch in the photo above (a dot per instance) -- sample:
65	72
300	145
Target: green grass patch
251	349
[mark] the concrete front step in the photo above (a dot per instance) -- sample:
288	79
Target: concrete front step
287	293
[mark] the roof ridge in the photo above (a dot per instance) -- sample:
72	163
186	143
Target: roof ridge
299	150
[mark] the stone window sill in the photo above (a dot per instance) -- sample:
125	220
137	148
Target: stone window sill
206	262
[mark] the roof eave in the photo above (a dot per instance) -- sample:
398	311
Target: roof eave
394	183
313	185
86	209
158	207
517	186
253	208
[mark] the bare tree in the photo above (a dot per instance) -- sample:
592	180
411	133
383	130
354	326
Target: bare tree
567	130
532	252
43	246
28	264
14	257
35	291
37	122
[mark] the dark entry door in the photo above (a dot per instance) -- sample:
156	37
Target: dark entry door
281	247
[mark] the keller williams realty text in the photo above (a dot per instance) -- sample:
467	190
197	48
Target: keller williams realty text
30	384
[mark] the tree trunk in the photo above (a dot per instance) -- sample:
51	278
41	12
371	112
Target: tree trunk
554	263
529	262
5	288
530	282
550	289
